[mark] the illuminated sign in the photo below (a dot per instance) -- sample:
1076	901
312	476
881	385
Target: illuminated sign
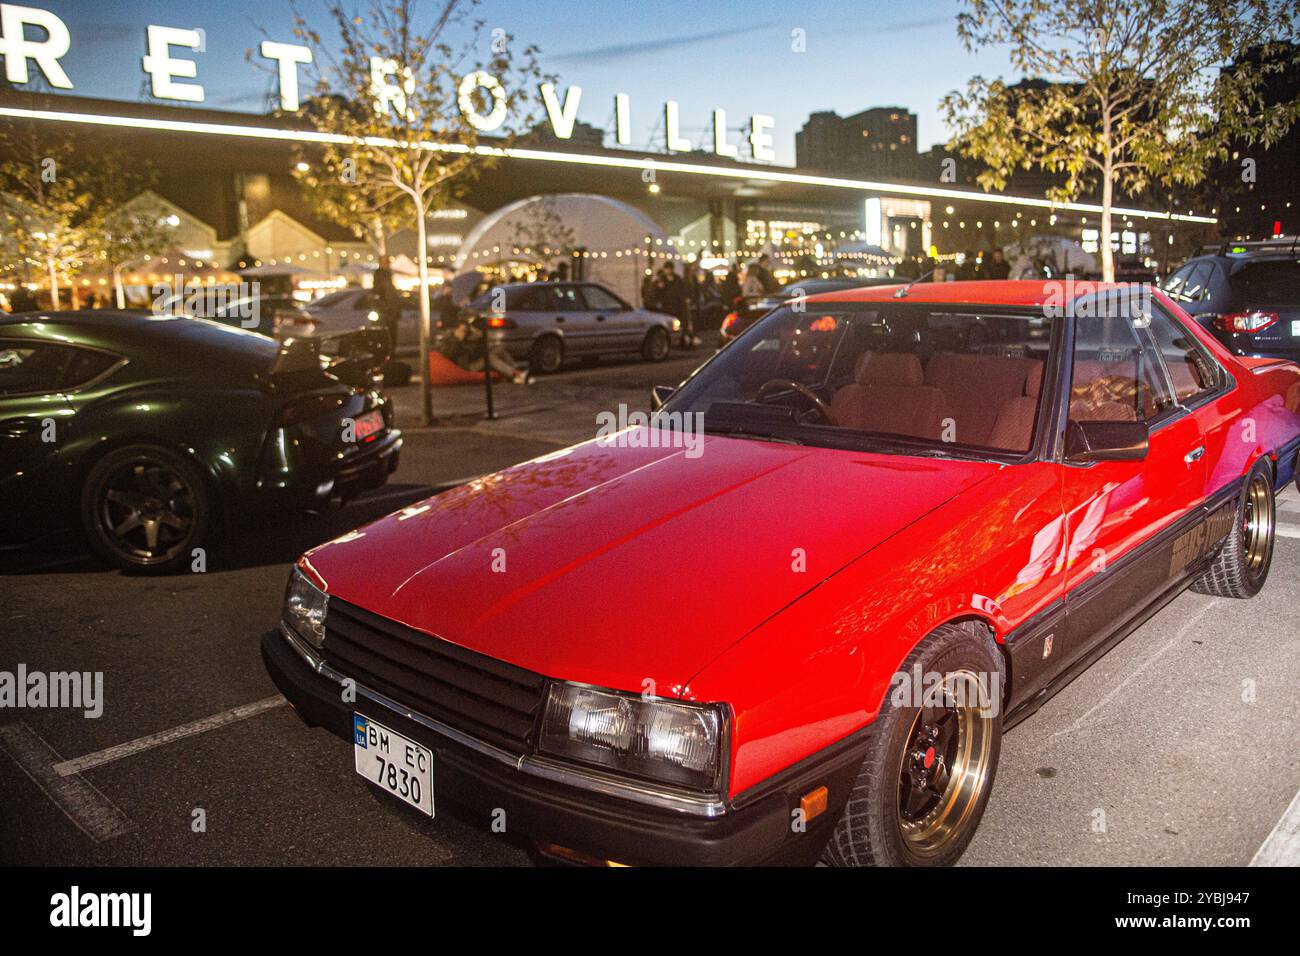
171	59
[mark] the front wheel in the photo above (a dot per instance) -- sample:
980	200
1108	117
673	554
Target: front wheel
145	508
931	758
657	345
1241	567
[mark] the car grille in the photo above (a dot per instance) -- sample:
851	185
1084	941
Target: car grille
488	699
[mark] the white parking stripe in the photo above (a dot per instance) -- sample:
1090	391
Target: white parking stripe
1282	848
92	812
100	757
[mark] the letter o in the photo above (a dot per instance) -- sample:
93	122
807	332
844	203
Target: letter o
465	99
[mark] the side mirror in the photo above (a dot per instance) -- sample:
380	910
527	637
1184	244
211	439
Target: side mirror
660	394
1105	441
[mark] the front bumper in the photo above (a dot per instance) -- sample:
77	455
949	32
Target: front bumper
755	828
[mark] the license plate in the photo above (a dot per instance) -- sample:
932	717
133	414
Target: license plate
393	763
369	424
1295	328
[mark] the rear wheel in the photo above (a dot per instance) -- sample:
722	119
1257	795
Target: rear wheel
929	769
145	508
1241	567
546	356
657	345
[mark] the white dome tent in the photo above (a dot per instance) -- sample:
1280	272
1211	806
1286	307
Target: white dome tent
616	242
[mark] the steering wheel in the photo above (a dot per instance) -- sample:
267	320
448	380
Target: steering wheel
784	383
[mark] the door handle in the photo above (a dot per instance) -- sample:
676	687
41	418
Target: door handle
559	319
600	318
1195	454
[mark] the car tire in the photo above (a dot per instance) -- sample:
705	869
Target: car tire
920	807
657	345
546	355
1241	566
142	495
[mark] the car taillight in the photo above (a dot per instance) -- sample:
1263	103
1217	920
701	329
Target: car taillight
729	321
1247	322
500	322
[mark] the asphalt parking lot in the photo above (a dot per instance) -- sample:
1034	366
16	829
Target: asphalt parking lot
1179	747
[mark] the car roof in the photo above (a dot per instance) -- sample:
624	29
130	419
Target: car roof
164	336
1004	292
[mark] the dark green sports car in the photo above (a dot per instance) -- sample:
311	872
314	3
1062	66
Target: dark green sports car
149	432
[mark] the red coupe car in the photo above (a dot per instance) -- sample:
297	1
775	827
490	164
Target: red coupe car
790	618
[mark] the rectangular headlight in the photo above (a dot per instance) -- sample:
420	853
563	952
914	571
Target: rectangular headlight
669	741
304	609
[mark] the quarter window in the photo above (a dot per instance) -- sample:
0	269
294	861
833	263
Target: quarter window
37	368
1191	370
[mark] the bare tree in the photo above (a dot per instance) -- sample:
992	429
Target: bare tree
1137	91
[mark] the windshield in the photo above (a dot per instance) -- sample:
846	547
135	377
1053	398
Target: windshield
910	378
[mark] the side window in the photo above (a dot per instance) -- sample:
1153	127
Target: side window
31	368
1174	284
1114	377
1196	283
567	298
531	300
1191	370
598	300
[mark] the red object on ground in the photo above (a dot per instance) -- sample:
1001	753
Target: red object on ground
443	371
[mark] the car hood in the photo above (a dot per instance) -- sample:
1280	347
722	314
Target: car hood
617	565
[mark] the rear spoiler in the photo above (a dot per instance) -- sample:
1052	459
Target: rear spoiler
356	358
296	355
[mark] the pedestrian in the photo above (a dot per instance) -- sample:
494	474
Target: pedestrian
753	286
670	295
998	267
389	301
729	287
765	273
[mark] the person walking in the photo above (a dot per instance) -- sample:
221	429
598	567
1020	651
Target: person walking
998	267
753	286
390	301
765	273
670	295
729	287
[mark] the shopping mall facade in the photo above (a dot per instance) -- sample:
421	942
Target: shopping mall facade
226	183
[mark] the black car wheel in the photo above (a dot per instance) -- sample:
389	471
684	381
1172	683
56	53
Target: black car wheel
929	769
1241	567
546	356
657	345
145	508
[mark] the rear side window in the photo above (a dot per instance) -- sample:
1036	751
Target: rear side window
531	300
1197	282
599	300
38	368
1191	370
1266	282
567	297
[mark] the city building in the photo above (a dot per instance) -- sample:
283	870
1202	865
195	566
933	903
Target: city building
878	142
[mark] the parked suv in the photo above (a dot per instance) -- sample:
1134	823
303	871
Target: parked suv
547	322
1247	294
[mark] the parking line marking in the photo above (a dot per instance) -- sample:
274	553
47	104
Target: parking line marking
1282	847
68	768
93	813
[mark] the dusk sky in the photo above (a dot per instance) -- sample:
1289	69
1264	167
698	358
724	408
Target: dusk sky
733	56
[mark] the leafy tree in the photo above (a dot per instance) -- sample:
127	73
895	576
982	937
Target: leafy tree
65	209
410	103
1139	92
